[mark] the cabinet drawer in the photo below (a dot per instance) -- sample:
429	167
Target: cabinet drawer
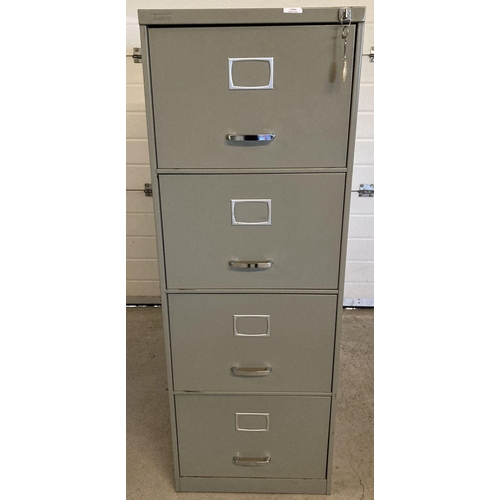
226	435
252	343
215	223
300	98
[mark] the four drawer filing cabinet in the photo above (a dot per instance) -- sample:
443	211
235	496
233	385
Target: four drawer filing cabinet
251	123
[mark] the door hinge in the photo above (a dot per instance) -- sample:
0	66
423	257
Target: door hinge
148	189
366	190
137	55
372	54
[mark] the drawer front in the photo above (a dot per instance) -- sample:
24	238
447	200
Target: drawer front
215	223
253	343
253	436
286	81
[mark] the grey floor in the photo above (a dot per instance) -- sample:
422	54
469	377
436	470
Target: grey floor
149	449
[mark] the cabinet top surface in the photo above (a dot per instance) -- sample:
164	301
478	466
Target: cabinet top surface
293	15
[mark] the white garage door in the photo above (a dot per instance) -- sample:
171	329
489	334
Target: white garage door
143	286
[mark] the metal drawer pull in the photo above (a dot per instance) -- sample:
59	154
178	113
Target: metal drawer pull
251	461
240	371
251	264
251	138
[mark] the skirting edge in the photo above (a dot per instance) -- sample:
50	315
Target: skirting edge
253	485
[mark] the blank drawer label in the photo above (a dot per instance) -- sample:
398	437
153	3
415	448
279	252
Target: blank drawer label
251	212
256	325
252	422
251	73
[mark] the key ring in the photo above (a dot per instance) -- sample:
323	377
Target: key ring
343	19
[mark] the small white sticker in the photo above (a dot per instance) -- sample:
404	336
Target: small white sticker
292	10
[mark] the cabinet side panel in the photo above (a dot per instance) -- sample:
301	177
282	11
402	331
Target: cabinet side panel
159	240
343	250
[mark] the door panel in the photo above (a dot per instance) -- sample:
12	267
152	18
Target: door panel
213	222
286	81
289	431
292	335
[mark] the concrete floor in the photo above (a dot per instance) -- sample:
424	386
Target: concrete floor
149	448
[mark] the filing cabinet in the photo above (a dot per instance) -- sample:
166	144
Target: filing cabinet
251	124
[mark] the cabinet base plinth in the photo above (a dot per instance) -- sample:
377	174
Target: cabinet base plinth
253	485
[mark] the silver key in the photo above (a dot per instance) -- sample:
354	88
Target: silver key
345	34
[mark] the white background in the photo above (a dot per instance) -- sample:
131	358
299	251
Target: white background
62	352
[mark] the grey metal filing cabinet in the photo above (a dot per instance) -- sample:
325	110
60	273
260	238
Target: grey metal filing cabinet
251	122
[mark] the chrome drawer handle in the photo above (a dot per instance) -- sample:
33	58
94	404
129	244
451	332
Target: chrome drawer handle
251	264
251	461
250	137
240	371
